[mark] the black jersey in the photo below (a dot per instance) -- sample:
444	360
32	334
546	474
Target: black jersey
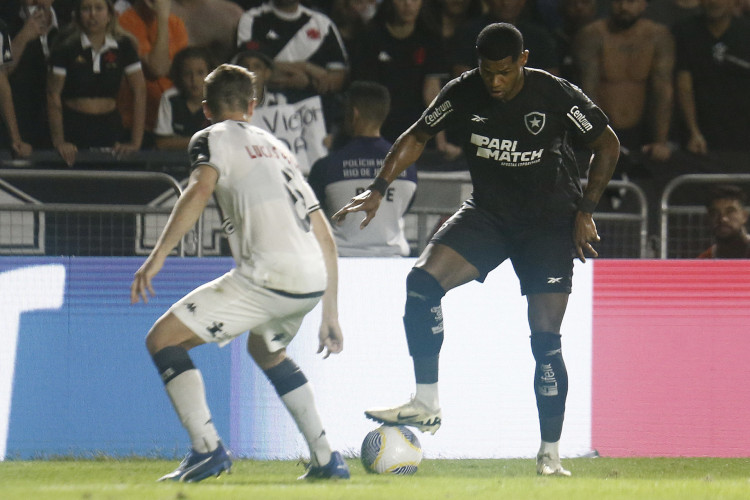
519	152
90	73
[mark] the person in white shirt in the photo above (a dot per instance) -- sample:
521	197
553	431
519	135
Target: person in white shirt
285	262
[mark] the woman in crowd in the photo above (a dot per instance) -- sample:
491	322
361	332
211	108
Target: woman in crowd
88	63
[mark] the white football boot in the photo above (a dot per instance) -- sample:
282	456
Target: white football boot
414	414
547	465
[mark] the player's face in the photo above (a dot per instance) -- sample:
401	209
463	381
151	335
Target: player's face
728	218
504	78
194	71
95	16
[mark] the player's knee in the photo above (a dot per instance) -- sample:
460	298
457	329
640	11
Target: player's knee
423	315
286	376
551	376
172	361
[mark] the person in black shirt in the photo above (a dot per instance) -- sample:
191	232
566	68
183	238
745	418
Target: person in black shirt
516	126
88	64
181	107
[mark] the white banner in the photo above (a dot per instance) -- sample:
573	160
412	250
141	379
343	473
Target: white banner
301	126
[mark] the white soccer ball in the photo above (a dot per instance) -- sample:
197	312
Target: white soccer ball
391	449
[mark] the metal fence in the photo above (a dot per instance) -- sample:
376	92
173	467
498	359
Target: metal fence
100	220
46	211
684	226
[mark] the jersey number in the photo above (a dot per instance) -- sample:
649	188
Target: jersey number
296	199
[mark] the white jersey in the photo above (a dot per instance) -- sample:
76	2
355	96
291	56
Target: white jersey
265	205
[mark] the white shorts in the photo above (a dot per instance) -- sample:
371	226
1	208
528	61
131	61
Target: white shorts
230	305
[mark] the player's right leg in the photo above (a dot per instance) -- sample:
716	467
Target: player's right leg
440	268
168	343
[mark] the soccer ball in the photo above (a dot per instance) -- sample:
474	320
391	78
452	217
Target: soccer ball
391	449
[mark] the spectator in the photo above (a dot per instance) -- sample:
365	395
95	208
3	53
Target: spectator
305	45
728	217
262	66
536	38
451	15
339	177
88	64
181	108
575	14
713	78
402	53
211	24
160	36
626	64
351	17
33	26
672	12
16	144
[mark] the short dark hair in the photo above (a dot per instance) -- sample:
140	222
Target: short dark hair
371	99
498	41
178	63
229	88
725	192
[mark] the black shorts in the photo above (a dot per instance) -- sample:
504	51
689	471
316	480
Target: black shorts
542	255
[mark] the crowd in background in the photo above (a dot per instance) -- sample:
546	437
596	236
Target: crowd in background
672	75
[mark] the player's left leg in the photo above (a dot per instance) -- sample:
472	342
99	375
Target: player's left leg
296	393
546	311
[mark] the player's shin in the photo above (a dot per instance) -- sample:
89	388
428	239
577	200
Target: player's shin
184	385
296	393
423	322
550	383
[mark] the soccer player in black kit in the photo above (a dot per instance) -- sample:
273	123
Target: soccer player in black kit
527	205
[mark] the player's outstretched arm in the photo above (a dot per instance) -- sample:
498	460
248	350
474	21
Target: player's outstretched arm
330	337
605	151
184	215
407	150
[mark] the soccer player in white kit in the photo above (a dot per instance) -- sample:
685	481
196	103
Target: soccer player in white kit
285	264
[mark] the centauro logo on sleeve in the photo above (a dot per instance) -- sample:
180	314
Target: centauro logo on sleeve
438	114
579	119
505	151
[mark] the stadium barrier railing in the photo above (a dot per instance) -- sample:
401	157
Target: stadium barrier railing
40	197
685	231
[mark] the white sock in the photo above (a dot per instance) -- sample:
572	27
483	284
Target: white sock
551	449
188	395
428	394
301	405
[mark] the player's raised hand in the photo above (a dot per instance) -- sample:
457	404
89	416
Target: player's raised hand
141	287
367	202
585	233
330	337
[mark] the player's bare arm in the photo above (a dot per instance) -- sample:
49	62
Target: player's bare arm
330	337
184	215
605	151
406	150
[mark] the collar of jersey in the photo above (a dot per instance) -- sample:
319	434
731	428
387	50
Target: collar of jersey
109	42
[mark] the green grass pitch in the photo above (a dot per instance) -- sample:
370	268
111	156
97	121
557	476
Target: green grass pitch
593	478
